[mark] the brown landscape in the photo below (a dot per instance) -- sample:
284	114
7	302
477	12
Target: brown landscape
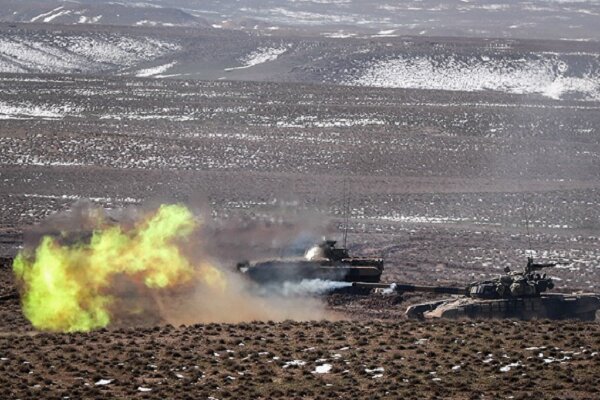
449	187
384	359
446	226
373	350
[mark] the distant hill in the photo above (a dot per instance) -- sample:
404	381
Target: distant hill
97	12
553	69
534	19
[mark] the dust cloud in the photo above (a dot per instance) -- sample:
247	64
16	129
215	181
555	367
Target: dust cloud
89	268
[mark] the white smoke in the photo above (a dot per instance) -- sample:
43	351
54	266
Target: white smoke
390	290
303	288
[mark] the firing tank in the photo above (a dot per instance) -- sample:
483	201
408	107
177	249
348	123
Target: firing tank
518	295
323	261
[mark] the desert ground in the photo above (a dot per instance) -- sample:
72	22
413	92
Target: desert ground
370	359
442	202
448	186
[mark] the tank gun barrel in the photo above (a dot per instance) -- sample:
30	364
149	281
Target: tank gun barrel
401	288
533	266
368	285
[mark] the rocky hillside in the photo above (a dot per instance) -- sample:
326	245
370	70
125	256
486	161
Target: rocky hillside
552	69
541	19
97	12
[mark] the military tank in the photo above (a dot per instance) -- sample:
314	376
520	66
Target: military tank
518	295
323	261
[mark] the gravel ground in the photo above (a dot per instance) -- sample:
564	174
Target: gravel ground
437	183
317	360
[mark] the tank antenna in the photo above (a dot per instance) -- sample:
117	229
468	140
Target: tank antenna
346	210
527	224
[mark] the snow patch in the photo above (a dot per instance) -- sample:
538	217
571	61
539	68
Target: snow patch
386	33
58	14
510	366
375	372
260	56
46	14
30	111
145	22
131	200
339	35
89	20
149	117
312	121
547	76
75	53
418	219
322	369
294	363
155	70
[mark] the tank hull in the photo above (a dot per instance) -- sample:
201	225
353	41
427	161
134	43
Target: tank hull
548	306
323	261
290	271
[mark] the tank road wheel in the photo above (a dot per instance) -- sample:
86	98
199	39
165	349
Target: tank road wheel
416	311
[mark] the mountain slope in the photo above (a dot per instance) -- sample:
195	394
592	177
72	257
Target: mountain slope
553	69
97	12
541	19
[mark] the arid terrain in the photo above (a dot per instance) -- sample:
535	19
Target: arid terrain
431	190
319	360
455	158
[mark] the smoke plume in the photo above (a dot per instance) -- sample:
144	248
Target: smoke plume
88	269
305	287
